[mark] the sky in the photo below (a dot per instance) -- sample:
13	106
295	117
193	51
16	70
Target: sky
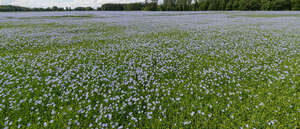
63	3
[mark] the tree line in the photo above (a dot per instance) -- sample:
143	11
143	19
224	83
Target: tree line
11	8
178	5
205	5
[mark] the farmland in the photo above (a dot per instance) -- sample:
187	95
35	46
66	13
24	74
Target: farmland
150	70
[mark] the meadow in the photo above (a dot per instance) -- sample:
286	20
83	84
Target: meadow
150	70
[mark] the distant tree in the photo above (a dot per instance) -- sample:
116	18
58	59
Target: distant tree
178	5
296	5
113	7
169	5
48	9
134	6
89	9
243	5
254	5
83	9
10	8
153	6
266	5
236	5
195	6
68	8
212	5
183	5
229	5
54	8
60	9
36	9
281	5
203	5
222	5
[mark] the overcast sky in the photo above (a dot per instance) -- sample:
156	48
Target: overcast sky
63	3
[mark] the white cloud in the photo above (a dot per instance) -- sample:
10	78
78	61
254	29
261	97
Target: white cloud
5	2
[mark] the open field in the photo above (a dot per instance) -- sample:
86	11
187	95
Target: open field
150	70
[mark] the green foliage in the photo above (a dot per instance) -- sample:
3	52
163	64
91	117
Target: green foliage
10	8
134	6
296	5
68	8
212	5
124	7
243	5
54	8
178	5
254	5
282	5
229	6
204	5
235	5
113	7
152	6
222	5
266	5
83	9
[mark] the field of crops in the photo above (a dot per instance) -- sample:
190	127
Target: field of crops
152	70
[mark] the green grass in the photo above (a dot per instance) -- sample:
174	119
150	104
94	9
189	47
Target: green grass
168	78
56	17
183	14
267	15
